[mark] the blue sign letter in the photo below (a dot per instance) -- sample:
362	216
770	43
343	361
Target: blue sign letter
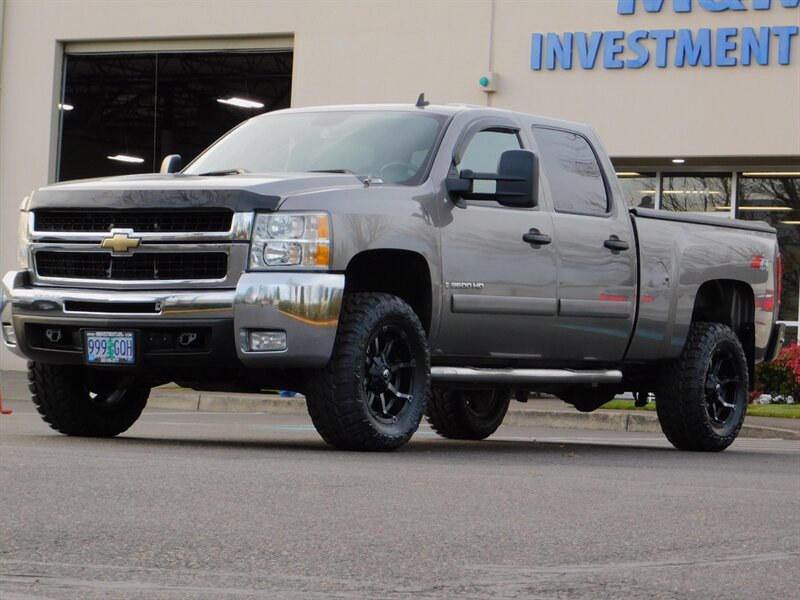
720	5
691	51
642	54
765	4
752	45
536	51
587	48
784	34
628	7
725	45
662	38
611	48
558	50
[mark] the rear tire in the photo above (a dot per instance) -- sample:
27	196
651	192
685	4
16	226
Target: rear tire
372	393
467	414
702	396
72	403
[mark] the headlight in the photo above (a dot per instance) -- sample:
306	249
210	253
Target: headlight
23	240
291	240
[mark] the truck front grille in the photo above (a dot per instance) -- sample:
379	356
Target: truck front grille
140	222
142	266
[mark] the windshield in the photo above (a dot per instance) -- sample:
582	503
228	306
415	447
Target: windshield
393	146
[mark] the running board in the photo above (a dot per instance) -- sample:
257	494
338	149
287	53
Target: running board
523	376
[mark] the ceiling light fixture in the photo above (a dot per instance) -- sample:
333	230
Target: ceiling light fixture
65	107
241	102
679	161
767	208
629	174
791	222
126	158
772	174
708	192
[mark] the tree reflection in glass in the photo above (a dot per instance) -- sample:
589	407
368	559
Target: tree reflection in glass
696	192
776	200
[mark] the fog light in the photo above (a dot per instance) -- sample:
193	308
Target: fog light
266	341
8	334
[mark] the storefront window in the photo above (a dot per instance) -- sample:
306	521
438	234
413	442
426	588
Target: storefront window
121	113
638	189
776	200
697	192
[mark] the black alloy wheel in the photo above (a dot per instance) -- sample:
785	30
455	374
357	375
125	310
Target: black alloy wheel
468	414
483	405
390	374
722	387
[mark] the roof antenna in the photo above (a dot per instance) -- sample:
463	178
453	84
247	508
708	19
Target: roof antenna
421	102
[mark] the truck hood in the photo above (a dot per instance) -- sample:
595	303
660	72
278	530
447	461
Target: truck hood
240	193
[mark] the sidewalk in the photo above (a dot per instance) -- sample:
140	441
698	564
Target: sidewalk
535	413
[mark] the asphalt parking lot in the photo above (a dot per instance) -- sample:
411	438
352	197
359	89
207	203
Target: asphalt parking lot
221	505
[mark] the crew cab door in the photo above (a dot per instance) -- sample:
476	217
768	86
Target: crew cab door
499	290
596	250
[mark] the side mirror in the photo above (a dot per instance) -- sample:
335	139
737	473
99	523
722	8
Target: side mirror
515	177
517	183
171	164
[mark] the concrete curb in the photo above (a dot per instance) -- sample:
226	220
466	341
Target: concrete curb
608	420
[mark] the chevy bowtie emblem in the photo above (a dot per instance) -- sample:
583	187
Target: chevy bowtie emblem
120	242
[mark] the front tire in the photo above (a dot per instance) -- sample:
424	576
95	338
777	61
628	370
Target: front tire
73	403
372	393
702	398
467	414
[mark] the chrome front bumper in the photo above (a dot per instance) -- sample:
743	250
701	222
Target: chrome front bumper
304	305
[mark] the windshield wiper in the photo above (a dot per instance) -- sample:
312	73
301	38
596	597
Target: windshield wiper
345	171
223	172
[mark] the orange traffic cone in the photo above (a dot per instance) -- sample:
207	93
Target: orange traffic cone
4	411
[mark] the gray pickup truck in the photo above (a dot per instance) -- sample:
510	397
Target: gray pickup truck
389	262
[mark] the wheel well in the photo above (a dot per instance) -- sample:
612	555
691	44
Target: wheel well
724	301
730	303
403	273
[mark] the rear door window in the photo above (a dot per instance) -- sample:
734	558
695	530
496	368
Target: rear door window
571	167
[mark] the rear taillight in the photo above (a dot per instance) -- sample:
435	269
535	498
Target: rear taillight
778	282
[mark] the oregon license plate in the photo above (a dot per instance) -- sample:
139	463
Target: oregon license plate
109	347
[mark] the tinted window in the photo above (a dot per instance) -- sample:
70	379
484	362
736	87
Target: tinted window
483	155
776	200
576	181
638	189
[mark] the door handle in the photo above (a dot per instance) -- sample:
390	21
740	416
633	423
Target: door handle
536	238
615	244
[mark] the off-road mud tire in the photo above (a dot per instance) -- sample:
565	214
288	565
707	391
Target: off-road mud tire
685	399
340	399
64	398
467	414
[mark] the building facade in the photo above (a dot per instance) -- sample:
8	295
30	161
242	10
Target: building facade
698	101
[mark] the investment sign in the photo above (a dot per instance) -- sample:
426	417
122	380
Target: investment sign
706	47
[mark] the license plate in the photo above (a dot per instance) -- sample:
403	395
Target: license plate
110	347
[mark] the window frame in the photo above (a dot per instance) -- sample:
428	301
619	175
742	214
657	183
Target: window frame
468	134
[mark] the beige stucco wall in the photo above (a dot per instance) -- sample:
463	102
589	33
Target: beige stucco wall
389	51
